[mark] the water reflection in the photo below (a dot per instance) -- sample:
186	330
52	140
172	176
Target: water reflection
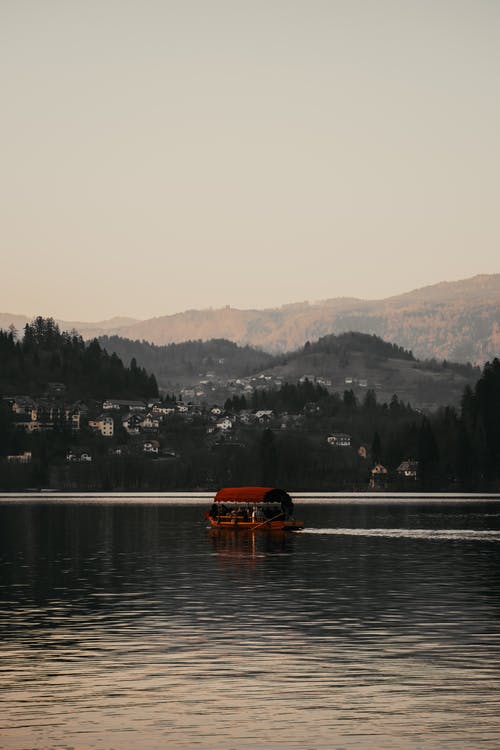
236	549
135	625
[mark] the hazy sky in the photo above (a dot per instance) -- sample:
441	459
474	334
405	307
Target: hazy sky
161	155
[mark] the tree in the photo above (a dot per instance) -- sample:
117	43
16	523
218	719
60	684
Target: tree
376	448
370	401
268	458
428	454
349	399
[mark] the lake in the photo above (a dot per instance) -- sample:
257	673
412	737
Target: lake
125	624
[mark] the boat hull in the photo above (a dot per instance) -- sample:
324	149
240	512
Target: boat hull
236	523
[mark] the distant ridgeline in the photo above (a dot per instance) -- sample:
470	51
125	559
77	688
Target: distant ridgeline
45	355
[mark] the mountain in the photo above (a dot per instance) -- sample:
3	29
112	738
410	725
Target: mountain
457	320
346	361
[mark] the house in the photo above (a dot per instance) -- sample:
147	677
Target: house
21	458
264	415
119	403
132	424
22	405
408	470
151	447
150	422
162	409
224	424
246	417
118	450
78	455
339	440
216	411
103	424
72	418
110	403
378	479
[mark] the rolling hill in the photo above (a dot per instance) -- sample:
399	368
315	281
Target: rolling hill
346	361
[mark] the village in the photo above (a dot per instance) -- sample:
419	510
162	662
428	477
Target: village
121	428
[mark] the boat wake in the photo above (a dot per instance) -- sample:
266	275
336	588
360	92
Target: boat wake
473	535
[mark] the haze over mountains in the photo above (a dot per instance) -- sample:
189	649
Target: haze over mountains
458	321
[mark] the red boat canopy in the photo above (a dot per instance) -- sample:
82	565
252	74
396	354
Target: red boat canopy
251	495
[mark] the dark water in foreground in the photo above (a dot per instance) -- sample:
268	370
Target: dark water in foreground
132	626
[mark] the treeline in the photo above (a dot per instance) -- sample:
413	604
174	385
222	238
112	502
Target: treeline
287	398
343	343
46	355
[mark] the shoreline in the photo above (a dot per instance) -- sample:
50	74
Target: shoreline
193	497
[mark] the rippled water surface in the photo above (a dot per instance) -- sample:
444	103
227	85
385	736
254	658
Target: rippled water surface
132	626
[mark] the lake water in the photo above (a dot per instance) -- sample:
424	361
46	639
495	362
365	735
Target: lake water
128	624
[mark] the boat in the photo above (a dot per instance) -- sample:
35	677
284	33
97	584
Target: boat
252	508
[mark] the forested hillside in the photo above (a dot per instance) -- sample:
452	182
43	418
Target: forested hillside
45	355
190	360
355	359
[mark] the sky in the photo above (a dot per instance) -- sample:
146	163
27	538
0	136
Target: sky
162	155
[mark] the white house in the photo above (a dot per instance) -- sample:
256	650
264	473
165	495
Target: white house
264	414
78	456
339	440
151	446
20	458
408	469
224	424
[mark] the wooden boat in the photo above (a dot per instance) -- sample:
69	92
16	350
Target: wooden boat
252	508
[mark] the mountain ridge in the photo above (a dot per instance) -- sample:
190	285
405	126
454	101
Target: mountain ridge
457	320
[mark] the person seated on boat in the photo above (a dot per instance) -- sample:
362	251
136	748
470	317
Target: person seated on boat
259	513
214	511
244	514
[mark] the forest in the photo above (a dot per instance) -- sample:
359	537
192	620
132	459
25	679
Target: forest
45	355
